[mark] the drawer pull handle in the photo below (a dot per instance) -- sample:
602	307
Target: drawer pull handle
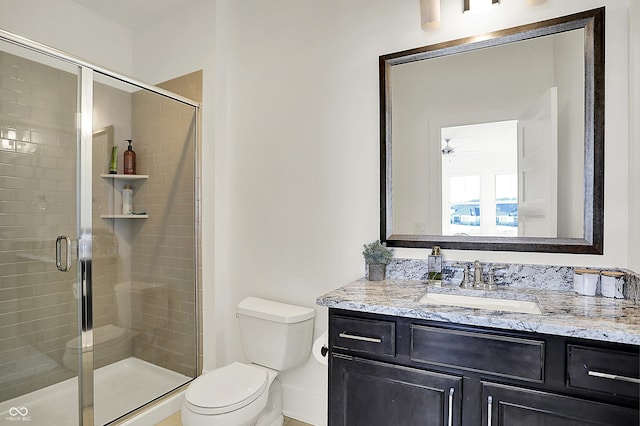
361	338
450	423
612	376
489	410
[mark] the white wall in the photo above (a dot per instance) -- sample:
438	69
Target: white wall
65	25
290	139
634	138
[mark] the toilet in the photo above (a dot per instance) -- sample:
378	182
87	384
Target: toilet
275	337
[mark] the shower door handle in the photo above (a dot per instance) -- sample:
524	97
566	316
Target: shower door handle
67	263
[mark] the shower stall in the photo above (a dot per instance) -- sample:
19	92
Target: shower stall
98	306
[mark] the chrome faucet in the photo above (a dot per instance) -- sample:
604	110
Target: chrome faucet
465	277
477	277
477	274
491	278
477	282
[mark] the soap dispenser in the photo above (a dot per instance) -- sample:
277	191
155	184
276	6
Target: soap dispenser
129	160
434	264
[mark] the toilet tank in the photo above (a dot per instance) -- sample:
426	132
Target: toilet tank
275	335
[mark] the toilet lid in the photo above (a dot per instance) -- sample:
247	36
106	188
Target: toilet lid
226	389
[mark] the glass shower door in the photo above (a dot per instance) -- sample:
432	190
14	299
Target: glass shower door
143	261
38	238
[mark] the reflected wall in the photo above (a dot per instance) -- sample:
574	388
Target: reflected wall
486	85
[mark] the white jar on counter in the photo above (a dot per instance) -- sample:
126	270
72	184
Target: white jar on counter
585	281
612	284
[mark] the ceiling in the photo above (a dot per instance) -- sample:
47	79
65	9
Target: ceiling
133	13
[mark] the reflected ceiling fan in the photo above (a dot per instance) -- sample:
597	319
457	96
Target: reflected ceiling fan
460	148
447	150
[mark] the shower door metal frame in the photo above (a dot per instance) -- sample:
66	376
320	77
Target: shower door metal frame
85	246
84	212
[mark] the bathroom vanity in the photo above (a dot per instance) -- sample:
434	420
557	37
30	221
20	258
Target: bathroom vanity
396	360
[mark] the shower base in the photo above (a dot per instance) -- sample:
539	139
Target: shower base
120	387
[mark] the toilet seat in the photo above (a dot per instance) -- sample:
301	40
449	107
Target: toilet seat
226	389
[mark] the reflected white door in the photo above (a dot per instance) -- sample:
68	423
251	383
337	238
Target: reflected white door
538	168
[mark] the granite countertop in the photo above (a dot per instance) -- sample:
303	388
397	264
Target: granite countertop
564	313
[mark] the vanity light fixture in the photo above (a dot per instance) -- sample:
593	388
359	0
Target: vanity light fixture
429	14
478	6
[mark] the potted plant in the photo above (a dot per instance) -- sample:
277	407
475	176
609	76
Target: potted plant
376	256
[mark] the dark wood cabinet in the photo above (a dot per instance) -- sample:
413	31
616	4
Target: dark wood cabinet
386	370
509	405
372	393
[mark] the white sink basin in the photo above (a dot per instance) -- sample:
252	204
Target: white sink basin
493	304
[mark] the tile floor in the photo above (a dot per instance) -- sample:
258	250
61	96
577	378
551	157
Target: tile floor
174	420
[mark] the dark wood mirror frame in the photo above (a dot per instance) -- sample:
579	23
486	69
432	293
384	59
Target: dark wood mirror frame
592	242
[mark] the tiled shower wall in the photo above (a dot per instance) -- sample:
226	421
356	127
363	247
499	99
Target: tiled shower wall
190	86
163	246
37	203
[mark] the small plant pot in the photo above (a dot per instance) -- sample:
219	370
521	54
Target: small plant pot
376	271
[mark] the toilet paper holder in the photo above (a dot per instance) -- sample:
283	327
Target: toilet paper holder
320	349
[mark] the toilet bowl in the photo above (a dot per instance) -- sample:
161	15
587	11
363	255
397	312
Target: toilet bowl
236	394
275	337
110	343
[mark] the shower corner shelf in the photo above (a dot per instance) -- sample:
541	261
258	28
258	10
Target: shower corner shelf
123	177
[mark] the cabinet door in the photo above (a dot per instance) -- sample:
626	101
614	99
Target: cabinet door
369	393
513	406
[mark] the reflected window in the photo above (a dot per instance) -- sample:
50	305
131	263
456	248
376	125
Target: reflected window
506	204
464	204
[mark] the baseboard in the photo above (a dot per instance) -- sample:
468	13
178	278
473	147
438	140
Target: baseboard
158	412
305	405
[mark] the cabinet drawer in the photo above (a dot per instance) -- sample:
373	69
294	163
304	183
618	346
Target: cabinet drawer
362	335
495	354
603	370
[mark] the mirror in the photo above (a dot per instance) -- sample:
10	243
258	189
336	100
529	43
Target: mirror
496	142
